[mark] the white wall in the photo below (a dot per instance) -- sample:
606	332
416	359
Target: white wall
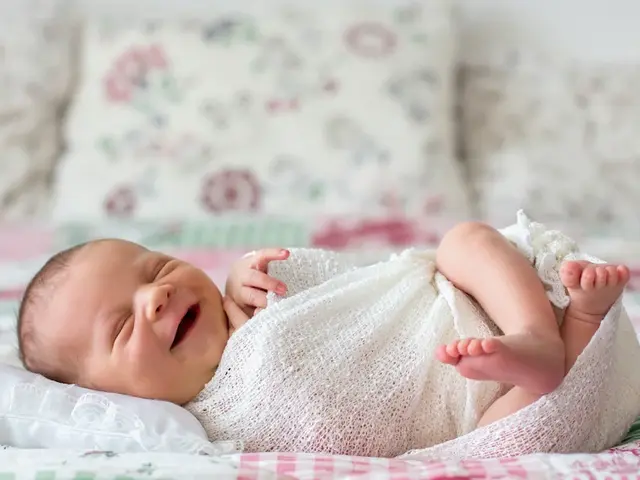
606	30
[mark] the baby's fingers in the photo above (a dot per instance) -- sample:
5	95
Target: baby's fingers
263	257
237	317
258	279
253	297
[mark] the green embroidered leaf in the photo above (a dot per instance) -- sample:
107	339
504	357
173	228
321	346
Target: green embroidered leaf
316	191
170	88
108	147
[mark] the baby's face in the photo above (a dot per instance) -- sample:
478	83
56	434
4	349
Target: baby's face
141	323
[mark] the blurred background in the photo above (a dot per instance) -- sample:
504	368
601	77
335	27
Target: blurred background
208	130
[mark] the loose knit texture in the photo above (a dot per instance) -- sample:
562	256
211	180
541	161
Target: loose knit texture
344	364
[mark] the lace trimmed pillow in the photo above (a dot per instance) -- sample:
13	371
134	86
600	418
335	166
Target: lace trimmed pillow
38	413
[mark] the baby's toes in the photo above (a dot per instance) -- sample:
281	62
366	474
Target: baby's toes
588	278
570	274
475	347
452	349
463	346
602	276
612	275
490	345
623	274
442	354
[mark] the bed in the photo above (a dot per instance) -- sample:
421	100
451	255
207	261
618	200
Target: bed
24	250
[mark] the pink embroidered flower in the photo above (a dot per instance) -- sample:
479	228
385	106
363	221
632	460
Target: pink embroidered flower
274	106
370	40
230	190
330	86
121	201
433	205
130	72
392	202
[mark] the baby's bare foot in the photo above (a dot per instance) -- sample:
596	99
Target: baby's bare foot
528	360
593	289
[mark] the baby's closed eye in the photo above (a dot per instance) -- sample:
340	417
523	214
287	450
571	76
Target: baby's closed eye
159	268
120	320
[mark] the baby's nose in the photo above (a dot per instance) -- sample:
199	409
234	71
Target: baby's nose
157	298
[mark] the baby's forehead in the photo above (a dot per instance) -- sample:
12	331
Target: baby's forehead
111	249
92	277
98	265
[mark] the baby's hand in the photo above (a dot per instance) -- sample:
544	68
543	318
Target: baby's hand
237	317
248	282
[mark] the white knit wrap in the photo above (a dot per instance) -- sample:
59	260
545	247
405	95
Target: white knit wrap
345	364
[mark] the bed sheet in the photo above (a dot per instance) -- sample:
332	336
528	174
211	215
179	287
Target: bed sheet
55	465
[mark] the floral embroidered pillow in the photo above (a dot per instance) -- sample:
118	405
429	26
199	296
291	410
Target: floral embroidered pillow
325	110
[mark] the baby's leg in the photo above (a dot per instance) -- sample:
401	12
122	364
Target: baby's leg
593	289
481	262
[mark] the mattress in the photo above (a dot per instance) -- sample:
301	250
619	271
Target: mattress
23	251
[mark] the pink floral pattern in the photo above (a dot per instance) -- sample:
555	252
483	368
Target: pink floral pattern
371	40
121	202
130	72
235	190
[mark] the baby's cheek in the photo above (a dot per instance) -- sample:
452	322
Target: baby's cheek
145	357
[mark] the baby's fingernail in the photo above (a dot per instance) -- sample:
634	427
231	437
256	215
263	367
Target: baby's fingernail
284	252
281	289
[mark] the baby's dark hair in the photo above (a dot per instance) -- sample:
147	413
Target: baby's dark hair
34	354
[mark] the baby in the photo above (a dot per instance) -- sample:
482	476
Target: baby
113	316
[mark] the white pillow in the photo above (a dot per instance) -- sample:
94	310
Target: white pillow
39	413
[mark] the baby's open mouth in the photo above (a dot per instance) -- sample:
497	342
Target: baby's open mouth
186	324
